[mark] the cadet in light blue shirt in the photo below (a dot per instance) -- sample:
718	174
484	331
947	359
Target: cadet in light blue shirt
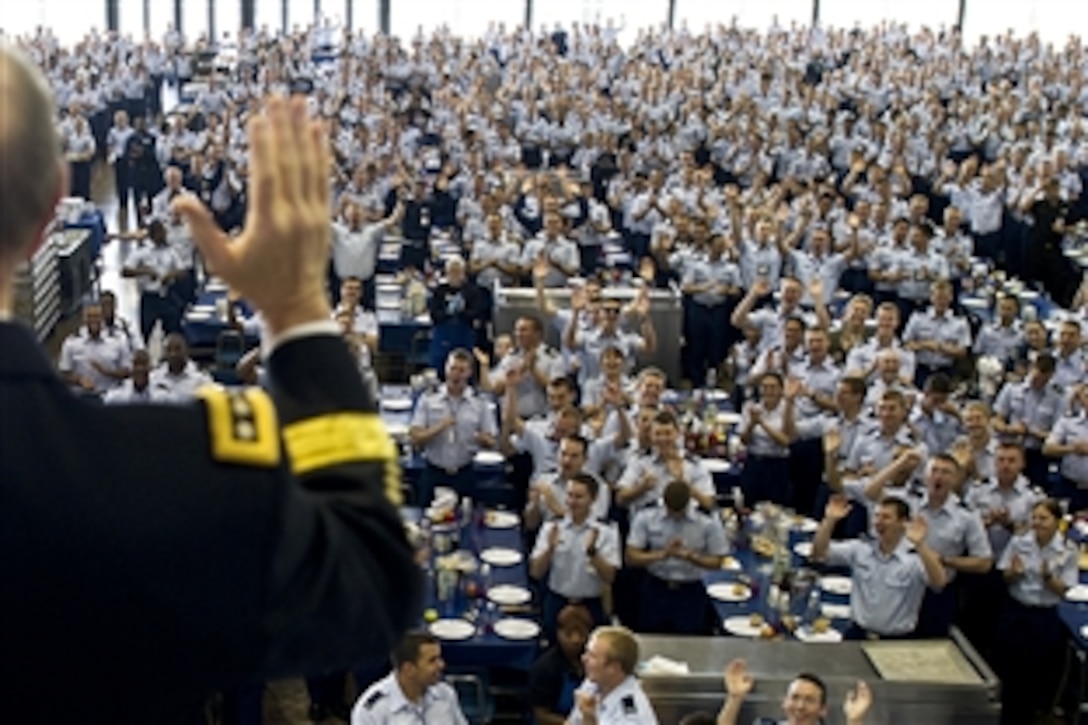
1069	439
1039	566
935	419
1005	501
890	573
676	543
937	337
413	693
1003	337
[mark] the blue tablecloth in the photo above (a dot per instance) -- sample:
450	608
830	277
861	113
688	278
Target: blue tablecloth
1075	614
93	222
750	564
202	326
486	649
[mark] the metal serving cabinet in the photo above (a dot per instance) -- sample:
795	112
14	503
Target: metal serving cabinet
970	697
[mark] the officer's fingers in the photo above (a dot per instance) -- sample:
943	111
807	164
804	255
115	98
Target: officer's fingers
262	171
288	119
207	235
316	164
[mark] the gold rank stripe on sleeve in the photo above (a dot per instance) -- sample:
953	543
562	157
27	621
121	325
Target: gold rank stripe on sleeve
242	426
337	438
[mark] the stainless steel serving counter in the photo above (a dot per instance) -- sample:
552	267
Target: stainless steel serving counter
773	664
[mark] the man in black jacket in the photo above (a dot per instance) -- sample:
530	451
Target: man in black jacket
152	554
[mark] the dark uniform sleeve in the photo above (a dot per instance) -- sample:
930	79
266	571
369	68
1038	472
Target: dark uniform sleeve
546	680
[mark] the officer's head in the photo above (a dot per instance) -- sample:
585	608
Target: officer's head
32	175
850	392
573	625
890	519
770	390
677	496
92	318
455	271
572	454
664	432
458	369
176	352
1045	518
940	295
582	491
892	410
942	476
610	657
108	300
1069	337
141	368
568	421
418	659
805	702
793	333
1008	463
1042	370
817	343
560	393
612	360
351	292
1008	308
528	332
887	319
651	384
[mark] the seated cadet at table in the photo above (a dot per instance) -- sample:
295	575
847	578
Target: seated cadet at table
413	691
890	573
805	701
556	674
675	543
547	493
611	694
579	555
1025	413
785	356
93	362
958	537
178	377
450	426
1069	440
767	429
937	336
137	389
1039	566
880	447
1070	362
643	482
116	326
156	266
1036	343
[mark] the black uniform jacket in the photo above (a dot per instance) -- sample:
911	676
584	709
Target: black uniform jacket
152	554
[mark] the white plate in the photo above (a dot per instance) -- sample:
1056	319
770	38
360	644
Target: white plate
730	563
741	626
489	458
397	430
509	594
517	628
976	303
397	404
423	319
717	395
389	304
729	418
1079	593
199	315
452	629
203	308
725	592
392	288
215	287
500	556
836	584
831	636
803	549
1084	631
501	519
806	525
835	611
716	465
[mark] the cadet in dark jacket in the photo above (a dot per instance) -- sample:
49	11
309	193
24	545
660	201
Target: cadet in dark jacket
152	554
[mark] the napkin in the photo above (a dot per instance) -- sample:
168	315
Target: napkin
658	665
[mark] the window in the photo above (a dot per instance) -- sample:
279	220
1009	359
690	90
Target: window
131	18
300	14
194	19
228	20
70	21
364	16
916	13
758	14
464	18
162	17
268	13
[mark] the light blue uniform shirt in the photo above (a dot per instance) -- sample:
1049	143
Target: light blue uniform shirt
1061	559
700	270
888	589
999	341
879	450
1069	370
454	448
921	271
1068	430
955	530
625	705
938	429
571	573
1018	500
1038	409
694	472
384	703
760	262
702	534
947	328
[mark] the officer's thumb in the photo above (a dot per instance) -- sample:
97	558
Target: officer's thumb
209	238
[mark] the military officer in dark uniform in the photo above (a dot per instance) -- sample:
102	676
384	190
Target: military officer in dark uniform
158	553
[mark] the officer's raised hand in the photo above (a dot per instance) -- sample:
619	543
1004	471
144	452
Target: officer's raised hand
857	703
279	260
738	680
